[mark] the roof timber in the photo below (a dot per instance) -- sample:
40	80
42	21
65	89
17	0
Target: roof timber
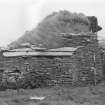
64	51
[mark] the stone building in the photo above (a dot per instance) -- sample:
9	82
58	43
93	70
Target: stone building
66	65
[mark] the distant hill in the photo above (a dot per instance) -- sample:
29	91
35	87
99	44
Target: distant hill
47	32
102	43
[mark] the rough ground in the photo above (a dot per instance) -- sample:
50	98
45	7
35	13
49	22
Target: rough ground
56	96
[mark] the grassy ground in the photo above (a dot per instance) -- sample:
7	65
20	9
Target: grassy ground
56	96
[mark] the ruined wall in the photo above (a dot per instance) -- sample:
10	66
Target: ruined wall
61	68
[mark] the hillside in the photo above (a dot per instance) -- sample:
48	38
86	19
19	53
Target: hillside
56	96
102	43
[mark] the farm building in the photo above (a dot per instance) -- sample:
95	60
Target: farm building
66	64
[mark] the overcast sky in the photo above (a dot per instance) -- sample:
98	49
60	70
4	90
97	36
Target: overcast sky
17	16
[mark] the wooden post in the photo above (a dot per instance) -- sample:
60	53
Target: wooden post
94	69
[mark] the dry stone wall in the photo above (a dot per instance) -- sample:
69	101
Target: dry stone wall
64	69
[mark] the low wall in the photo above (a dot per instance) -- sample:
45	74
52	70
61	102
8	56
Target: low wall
63	68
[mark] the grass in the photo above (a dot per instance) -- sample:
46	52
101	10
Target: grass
56	96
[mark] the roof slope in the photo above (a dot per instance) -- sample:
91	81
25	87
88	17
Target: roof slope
47	32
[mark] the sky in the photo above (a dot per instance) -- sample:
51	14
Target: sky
18	16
